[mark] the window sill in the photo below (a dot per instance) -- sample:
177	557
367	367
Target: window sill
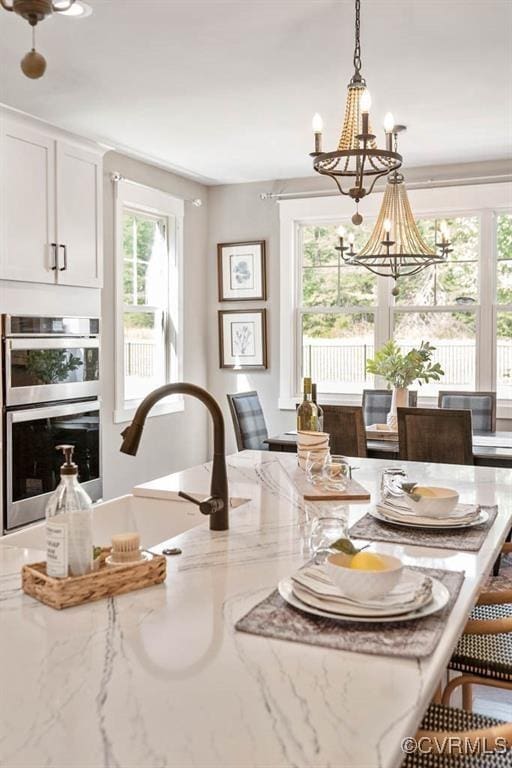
174	404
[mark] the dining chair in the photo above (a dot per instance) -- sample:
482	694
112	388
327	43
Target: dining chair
345	425
481	404
377	404
483	654
248	421
435	434
453	738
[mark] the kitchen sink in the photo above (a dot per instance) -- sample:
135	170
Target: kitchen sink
156	520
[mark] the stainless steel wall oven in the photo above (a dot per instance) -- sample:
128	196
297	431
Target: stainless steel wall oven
51	387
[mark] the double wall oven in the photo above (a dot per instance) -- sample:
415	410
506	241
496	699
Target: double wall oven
51	387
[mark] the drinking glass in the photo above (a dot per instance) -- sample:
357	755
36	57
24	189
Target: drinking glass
315	466
336	473
324	532
391	479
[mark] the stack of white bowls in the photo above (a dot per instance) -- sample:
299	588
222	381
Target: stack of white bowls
312	442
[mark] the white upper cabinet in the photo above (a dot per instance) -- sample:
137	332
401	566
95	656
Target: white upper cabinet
50	208
78	216
27	205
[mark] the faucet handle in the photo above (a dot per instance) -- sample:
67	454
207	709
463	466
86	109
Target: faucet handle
208	506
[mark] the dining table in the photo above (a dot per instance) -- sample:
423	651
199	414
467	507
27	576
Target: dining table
490	449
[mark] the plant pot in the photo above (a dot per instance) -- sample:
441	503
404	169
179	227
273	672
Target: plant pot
399	399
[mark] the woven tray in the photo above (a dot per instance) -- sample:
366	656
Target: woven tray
381	432
106	581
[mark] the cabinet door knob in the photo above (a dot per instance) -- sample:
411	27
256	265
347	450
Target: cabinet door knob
53	246
65	250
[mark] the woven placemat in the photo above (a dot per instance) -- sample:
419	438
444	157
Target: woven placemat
274	618
463	539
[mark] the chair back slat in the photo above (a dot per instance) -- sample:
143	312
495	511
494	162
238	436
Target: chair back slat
435	435
481	404
345	425
248	421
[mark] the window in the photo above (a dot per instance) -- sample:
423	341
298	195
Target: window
504	305
334	316
337	312
440	304
149	226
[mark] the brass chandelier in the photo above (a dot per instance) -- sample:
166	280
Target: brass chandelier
357	163
33	64
396	248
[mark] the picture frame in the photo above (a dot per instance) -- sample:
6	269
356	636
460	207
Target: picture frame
243	338
241	271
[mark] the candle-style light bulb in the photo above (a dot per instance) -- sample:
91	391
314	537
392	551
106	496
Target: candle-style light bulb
387	226
341	231
351	238
366	101
445	232
389	122
318	123
364	105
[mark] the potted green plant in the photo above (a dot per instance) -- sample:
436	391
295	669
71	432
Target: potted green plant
401	370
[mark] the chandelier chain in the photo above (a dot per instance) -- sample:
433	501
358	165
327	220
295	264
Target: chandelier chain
357	49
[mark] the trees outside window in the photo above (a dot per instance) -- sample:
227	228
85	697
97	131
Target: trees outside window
345	311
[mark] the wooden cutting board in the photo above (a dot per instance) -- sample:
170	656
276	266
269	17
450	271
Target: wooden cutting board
353	492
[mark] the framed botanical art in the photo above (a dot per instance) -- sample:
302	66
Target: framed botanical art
241	271
243	338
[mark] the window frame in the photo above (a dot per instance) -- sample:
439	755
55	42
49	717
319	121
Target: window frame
137	198
498	307
484	200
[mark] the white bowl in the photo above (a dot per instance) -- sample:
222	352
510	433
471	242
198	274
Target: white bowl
363	585
440	504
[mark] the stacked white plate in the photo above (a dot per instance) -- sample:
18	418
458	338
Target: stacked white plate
396	512
414	596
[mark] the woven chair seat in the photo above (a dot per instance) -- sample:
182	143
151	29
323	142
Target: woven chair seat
503	581
488	656
440	718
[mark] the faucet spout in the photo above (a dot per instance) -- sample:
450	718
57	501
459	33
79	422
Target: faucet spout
219	516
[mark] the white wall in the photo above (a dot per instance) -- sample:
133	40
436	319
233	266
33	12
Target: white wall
178	440
235	214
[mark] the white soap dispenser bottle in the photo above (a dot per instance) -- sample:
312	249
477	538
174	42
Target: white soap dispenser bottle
68	524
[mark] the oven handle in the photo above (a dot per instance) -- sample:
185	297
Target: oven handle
58	343
51	411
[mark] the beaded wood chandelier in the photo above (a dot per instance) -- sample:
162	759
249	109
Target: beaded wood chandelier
396	248
33	64
357	163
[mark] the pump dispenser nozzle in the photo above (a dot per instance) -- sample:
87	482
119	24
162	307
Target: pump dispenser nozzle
69	467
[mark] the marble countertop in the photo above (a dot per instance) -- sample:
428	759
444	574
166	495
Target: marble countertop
159	678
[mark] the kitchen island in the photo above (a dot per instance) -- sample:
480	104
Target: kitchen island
161	678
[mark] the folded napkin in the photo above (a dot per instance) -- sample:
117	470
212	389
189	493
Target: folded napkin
462	513
413	587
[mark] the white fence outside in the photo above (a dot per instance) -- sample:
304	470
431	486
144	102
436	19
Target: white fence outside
335	362
341	366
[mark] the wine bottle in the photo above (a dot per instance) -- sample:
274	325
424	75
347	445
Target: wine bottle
320	410
307	412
